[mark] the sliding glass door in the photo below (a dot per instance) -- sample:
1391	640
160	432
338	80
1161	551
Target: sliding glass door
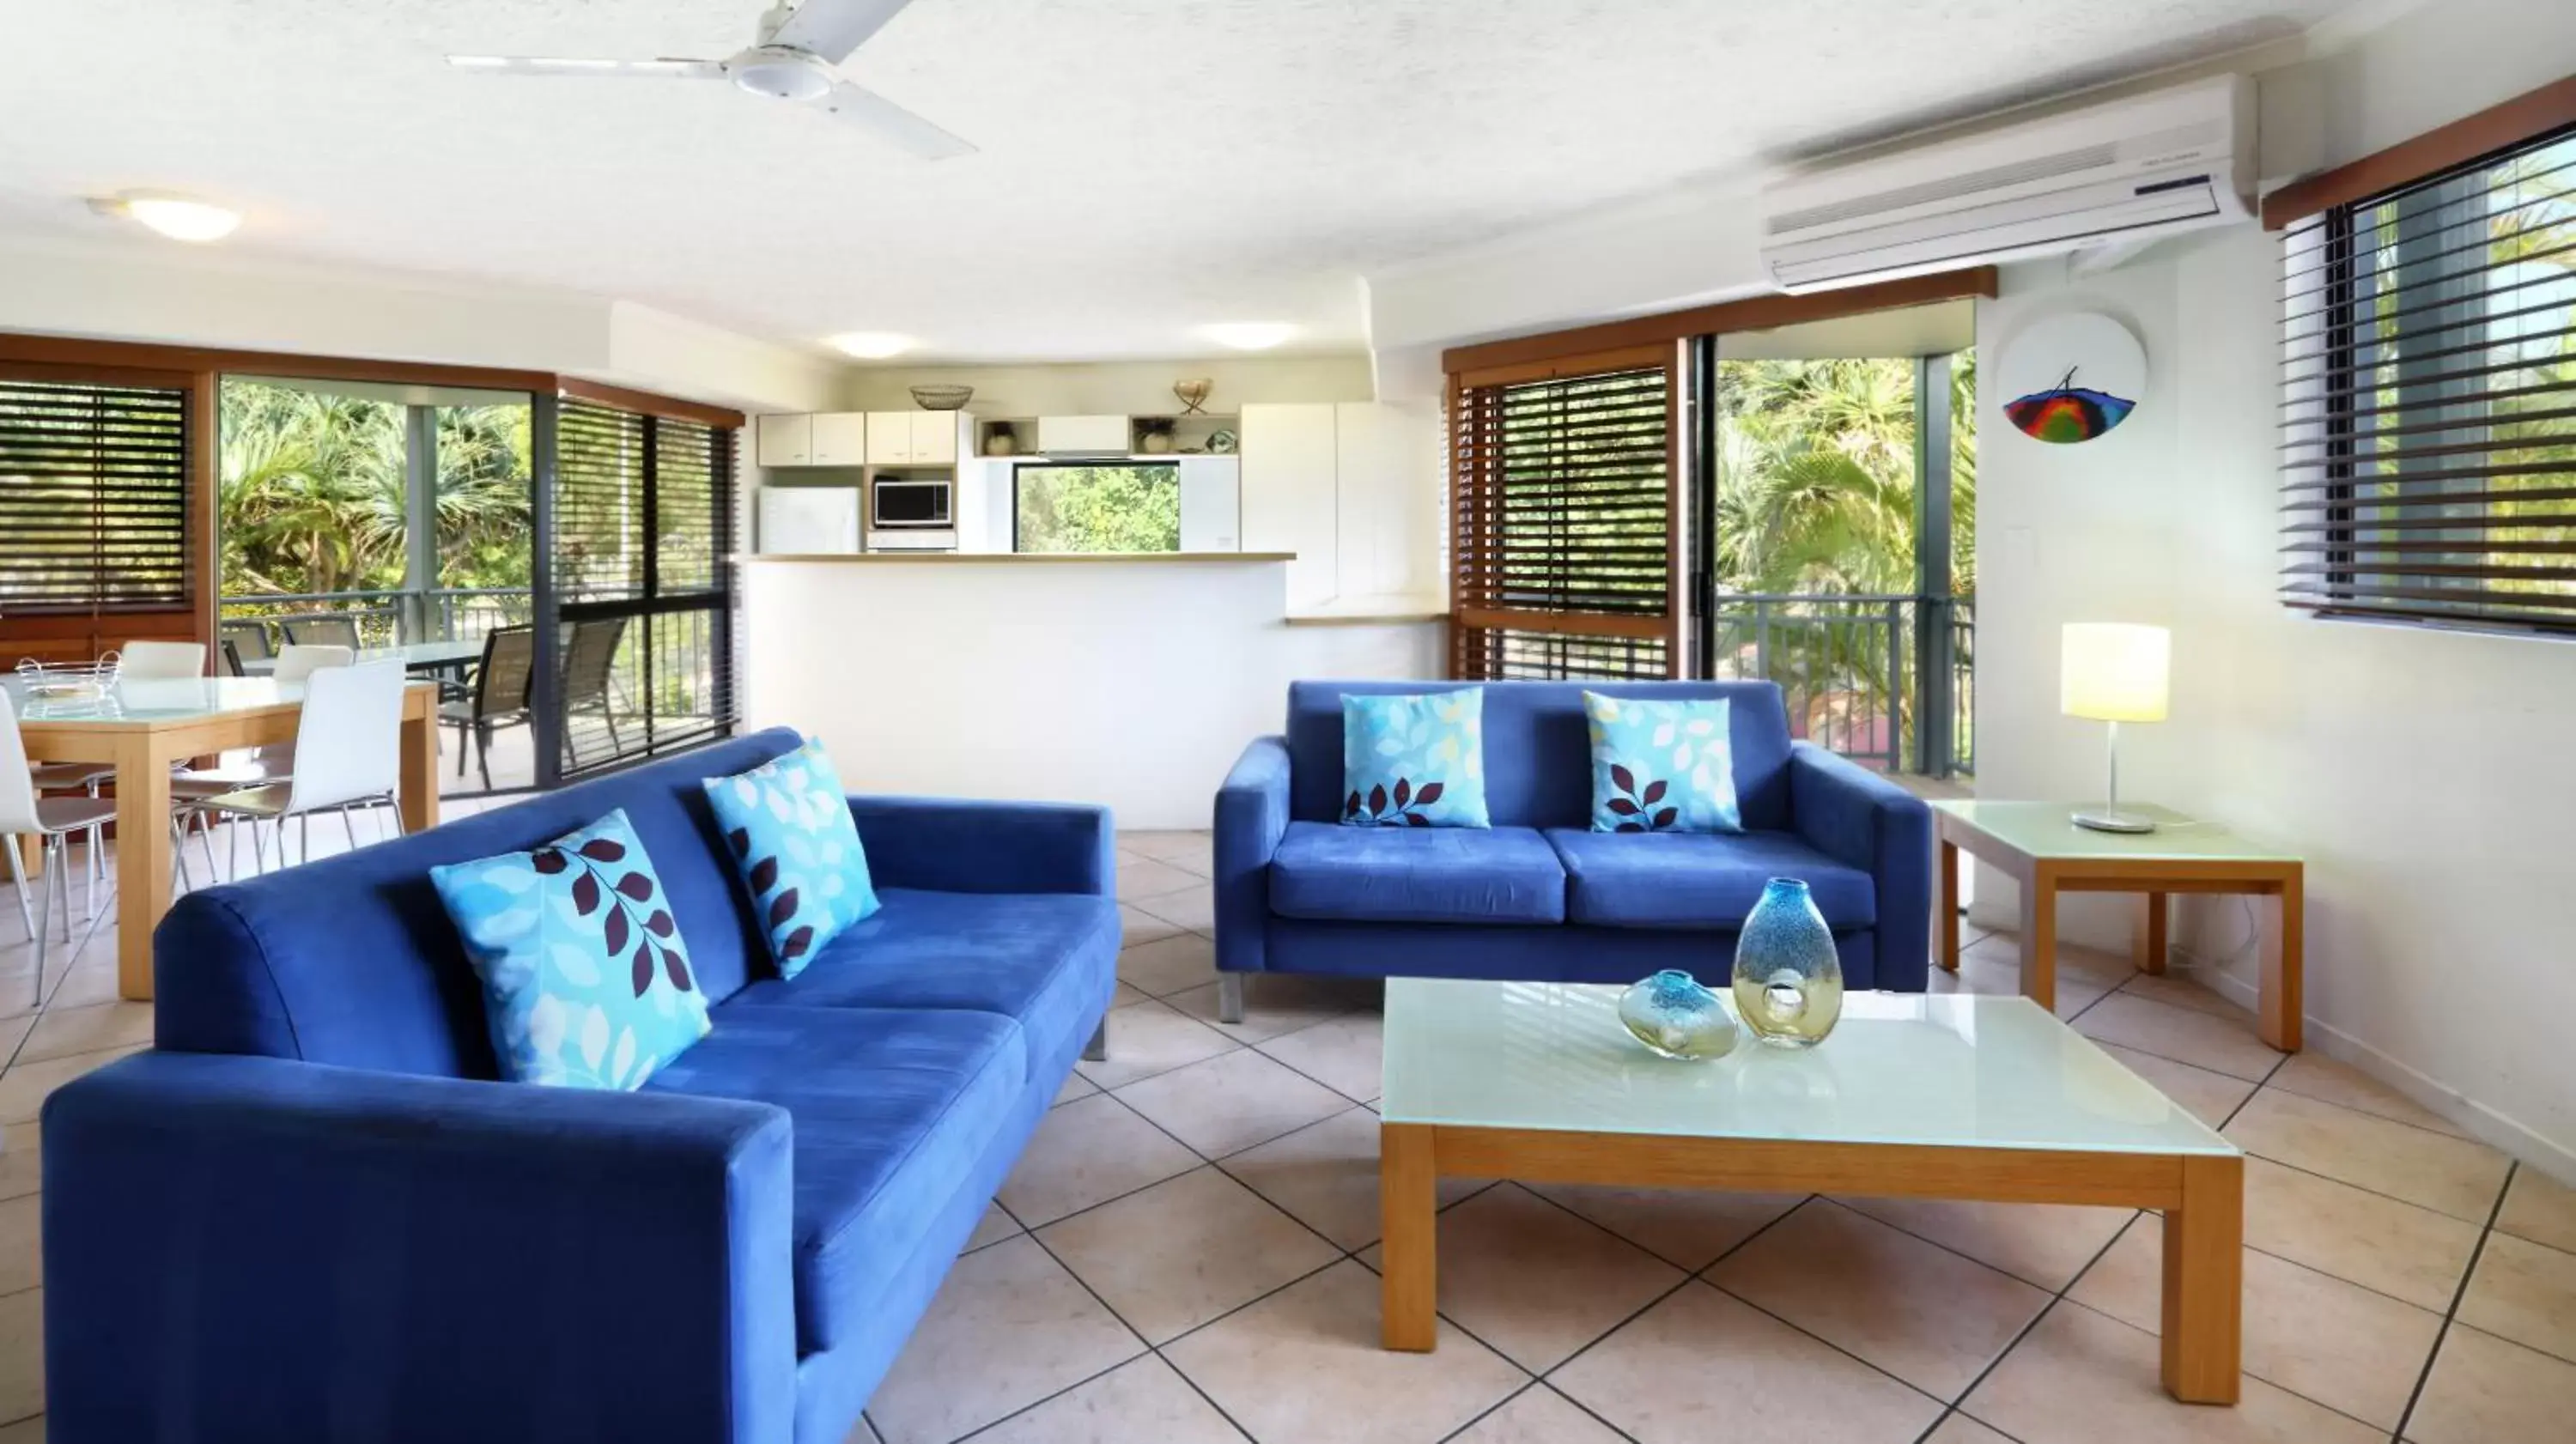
640	584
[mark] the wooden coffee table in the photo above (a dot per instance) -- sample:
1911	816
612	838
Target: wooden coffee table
2045	853
1914	1095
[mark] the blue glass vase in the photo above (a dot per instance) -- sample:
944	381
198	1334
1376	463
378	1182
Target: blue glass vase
1788	979
1677	1018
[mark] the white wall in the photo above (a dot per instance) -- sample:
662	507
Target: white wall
1132	684
158	292
2426	776
1119	388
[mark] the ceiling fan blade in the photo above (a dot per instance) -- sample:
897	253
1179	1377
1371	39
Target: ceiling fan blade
560	65
865	107
834	28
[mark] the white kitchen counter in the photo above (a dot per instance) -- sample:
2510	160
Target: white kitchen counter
1124	680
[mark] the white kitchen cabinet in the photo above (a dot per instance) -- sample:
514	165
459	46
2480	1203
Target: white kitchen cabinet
934	438
840	438
1386	461
1211	504
1083	435
786	440
890	438
1291	500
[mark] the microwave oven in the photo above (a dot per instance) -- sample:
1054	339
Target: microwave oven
894	502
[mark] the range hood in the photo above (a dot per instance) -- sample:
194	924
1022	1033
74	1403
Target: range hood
1083	436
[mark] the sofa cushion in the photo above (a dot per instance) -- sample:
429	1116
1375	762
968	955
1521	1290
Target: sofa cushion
1700	880
1538	747
351	960
1047	959
1423	875
584	971
893	1110
1414	760
787	827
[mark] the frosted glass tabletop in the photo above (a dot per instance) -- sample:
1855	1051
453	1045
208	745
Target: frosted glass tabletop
2047	829
1949	1070
148	703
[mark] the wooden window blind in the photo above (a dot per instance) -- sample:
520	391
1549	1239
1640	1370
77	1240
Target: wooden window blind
2429	398
643	535
94	497
1563	503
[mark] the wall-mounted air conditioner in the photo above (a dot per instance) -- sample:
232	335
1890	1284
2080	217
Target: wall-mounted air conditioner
2122	171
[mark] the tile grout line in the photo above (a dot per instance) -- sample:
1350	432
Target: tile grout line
2459	1295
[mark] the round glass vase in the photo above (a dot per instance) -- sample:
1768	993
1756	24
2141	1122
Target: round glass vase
1788	979
1677	1018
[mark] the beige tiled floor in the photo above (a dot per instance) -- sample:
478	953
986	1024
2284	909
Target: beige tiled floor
1184	1252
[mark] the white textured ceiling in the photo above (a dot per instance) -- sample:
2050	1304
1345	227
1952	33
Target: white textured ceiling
1148	166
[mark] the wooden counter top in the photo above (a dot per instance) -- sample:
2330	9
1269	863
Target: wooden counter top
1015	558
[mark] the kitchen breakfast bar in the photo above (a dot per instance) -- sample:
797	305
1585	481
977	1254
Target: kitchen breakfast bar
1131	680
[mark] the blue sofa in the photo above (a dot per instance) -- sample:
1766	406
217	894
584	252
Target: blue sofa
1540	895
309	1213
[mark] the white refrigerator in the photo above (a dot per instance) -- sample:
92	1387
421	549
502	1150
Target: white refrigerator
812	520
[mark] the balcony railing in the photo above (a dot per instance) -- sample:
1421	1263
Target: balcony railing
385	618
1855	672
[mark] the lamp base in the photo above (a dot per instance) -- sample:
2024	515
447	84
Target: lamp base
2114	821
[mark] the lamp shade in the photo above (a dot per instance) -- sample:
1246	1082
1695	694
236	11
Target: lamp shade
2113	672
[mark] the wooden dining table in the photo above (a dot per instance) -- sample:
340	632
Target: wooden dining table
146	728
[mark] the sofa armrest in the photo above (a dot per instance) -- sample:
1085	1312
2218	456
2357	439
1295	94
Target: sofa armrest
258	1248
956	844
1251	817
1859	818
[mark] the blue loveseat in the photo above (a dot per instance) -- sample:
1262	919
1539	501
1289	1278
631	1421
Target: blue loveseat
310	1214
1540	895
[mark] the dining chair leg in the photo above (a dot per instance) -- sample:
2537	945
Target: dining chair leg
18	880
349	827
50	867
304	839
180	882
206	844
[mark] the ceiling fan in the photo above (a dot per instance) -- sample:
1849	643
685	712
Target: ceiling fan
791	59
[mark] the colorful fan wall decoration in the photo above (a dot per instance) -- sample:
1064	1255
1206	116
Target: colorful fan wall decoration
2068	413
2071	378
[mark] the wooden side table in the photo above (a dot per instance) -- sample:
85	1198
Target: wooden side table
2042	849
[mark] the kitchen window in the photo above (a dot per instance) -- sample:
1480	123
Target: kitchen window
1115	507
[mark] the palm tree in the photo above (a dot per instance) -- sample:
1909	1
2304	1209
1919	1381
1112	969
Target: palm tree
312	495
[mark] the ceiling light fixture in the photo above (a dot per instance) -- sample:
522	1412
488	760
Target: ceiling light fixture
869	345
177	217
1250	335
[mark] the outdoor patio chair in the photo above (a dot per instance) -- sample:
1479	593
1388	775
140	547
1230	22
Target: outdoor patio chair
590	665
499	697
322	630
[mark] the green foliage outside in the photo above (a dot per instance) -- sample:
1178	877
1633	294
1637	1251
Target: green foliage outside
1099	509
1815	487
310	496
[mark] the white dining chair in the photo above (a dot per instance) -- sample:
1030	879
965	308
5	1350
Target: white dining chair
53	819
348	753
161	661
271	765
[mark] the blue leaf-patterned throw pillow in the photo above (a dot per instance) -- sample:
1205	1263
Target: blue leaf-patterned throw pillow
788	827
1661	766
586	981
1414	759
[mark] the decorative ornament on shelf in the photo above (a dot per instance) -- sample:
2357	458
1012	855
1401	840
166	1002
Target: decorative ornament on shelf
1221	442
1194	395
1001	440
1157	440
2072	378
1677	1018
942	398
1788	978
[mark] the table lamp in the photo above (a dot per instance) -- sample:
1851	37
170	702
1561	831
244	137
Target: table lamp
2113	672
